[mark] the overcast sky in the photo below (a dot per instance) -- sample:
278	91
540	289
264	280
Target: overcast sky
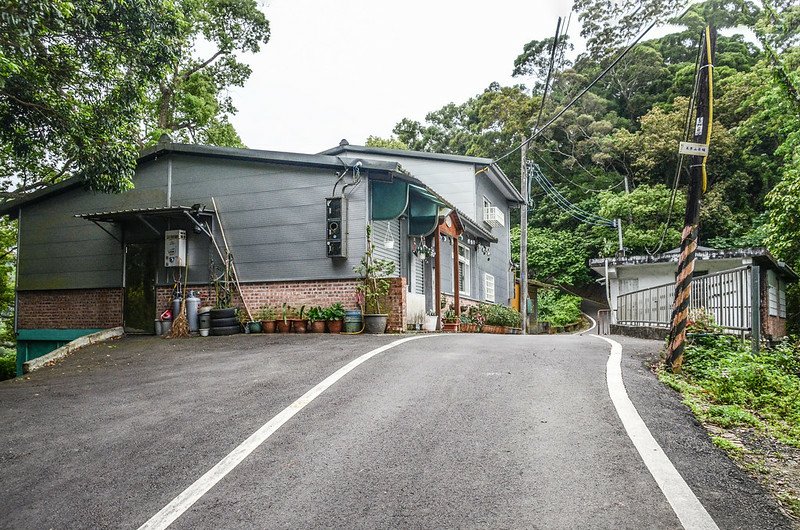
354	68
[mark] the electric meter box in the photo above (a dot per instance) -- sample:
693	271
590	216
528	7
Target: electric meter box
175	248
336	227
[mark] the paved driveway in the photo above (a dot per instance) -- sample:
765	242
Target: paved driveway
444	431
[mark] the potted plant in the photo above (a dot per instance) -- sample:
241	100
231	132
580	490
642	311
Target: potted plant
267	317
467	325
424	252
299	322
249	326
284	324
334	314
450	320
316	316
374	286
430	321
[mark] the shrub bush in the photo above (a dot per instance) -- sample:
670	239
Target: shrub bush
8	364
734	381
499	315
558	308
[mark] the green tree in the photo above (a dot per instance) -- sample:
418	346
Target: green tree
192	103
72	88
534	61
386	143
8	244
643	213
554	256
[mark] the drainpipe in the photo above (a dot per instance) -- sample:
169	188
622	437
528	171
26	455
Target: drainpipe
169	182
438	275
456	280
16	273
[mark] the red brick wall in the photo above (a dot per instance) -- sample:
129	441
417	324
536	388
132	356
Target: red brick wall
775	327
298	293
70	309
397	304
772	327
102	308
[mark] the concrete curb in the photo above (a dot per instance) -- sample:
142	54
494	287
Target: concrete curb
63	351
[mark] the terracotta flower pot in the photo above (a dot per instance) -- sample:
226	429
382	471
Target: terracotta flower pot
318	326
451	327
299	326
268	326
335	326
284	327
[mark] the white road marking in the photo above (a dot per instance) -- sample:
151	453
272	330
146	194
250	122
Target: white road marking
680	496
178	506
594	325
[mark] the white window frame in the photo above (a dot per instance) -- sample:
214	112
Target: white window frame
782	298
488	287
773	297
776	289
464	259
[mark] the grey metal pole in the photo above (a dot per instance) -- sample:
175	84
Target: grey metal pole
523	240
755	308
621	250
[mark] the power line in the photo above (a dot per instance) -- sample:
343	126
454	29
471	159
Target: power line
677	178
574	100
563	200
569	180
563	203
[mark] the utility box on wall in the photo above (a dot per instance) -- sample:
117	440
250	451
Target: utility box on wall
175	248
336	227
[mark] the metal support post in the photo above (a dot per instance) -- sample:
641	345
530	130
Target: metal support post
755	309
523	240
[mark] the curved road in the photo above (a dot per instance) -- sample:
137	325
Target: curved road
444	431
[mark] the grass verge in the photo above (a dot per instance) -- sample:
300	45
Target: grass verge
751	406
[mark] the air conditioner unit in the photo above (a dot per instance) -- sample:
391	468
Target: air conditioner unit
493	216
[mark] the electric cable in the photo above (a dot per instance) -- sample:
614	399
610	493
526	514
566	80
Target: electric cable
549	75
569	180
678	170
555	192
574	100
562	202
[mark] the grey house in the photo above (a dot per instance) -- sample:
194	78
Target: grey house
89	261
483	197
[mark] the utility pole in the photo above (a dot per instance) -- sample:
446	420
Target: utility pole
523	238
697	186
523	187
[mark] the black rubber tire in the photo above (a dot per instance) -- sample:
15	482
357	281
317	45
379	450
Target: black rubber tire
224	322
229	330
230	312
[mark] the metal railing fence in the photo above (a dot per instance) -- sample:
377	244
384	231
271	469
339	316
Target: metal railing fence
727	296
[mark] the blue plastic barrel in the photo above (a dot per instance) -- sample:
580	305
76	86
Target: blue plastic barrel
352	321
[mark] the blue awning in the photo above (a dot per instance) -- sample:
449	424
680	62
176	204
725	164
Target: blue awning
423	212
390	200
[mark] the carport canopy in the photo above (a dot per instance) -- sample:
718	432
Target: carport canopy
147	215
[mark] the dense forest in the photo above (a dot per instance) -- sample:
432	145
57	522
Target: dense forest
614	153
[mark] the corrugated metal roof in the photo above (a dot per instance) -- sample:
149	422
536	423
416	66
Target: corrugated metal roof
162	211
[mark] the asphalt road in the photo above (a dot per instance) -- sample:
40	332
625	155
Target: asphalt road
444	431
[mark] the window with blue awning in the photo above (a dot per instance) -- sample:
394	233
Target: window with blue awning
390	200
